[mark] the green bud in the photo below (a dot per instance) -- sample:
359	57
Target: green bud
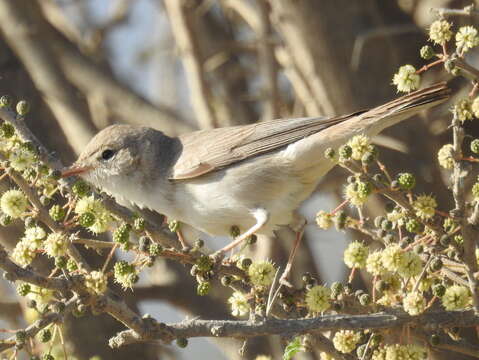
436	264
234	231
80	188
340	220
155	249
203	288
139	224
61	262
7	130
122	233
86	219
71	265
23	289
244	263
427	52
57	213
199	243
413	226
365	299
174	225
45	335
5	220
438	290
6	101
475	146
23	107
204	263
406	181
329	153
435	340
345	152
182	342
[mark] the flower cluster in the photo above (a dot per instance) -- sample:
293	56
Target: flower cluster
102	218
239	304
346	341
355	255
406	79
318	298
96	282
261	273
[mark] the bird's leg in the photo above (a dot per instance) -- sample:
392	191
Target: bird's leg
261	216
299	229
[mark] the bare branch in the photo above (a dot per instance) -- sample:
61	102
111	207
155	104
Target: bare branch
182	26
244	329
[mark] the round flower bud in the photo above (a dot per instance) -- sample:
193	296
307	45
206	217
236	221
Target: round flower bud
475	110
61	262
456	297
330	153
336	289
463	110
5	101
23	289
239	304
407	181
435	340
427	52
55	245
203	288
445	156
182	342
252	239
436	264
440	32
71	265
13	203
340	220
355	255
387	225
261	273
466	38
361	145
318	298
96	282
374	264
413	226
122	233
475	143
345	341
45	335
139	224
406	79
365	299
244	263
7	130
86	219
345	152
155	249
23	107
414	303
57	213
425	206
324	220
80	188
174	225
438	290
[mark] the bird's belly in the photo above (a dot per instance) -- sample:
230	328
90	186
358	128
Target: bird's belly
216	202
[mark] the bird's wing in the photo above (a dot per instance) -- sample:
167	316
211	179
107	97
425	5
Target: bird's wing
208	150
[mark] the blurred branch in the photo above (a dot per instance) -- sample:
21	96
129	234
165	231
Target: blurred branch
17	24
466	11
181	20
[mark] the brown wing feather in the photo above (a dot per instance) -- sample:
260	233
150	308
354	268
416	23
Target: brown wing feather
208	150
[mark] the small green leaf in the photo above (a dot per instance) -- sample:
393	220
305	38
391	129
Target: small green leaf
293	348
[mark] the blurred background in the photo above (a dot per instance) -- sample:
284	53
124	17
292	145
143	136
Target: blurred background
181	65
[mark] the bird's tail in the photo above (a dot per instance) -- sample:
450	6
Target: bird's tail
309	151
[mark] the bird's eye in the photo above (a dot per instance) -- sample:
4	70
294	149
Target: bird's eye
107	154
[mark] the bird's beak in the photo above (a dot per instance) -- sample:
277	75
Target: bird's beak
75	170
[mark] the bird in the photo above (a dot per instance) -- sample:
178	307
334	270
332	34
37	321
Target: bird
253	177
